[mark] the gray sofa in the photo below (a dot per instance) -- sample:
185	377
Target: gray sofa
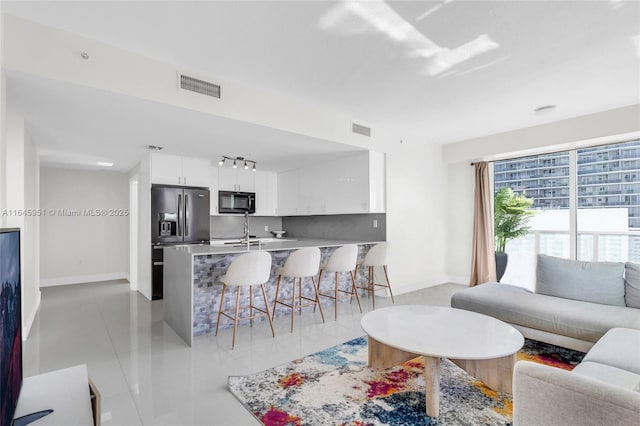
574	305
602	390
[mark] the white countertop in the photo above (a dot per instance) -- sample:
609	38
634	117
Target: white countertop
442	332
272	245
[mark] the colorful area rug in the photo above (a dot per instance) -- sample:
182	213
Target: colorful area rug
335	387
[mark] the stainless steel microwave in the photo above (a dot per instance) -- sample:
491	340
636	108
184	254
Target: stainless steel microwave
236	202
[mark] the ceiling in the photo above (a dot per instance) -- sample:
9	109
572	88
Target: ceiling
76	126
443	70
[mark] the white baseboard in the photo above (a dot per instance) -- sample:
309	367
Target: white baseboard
26	327
79	279
459	280
406	288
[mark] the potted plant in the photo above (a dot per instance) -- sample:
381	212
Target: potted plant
512	212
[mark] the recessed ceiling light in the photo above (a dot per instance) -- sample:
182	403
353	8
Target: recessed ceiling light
545	109
84	55
104	164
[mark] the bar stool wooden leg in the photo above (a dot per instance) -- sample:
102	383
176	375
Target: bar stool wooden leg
235	319
299	295
266	307
355	290
224	287
251	306
388	283
315	288
336	298
275	300
293	302
372	286
318	287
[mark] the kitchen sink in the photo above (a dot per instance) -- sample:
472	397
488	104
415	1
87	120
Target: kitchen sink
253	242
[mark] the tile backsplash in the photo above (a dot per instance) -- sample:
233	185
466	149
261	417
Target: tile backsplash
332	227
232	226
338	227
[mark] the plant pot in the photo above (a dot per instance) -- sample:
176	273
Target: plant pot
501	264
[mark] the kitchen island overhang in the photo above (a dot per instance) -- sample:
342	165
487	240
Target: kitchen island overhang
192	284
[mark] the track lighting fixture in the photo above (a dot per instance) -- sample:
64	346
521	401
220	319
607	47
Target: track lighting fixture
246	161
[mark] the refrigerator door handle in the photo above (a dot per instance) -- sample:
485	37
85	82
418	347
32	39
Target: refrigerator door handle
186	214
179	216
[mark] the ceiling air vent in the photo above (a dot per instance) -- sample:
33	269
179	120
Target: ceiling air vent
360	129
199	86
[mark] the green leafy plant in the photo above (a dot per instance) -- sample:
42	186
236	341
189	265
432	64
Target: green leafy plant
512	212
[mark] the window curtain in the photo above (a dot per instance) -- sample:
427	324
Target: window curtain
483	262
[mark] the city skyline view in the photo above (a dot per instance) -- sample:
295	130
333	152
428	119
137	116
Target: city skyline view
607	206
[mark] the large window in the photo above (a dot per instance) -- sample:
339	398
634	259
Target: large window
606	206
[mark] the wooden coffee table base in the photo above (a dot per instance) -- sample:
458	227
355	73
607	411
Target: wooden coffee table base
496	373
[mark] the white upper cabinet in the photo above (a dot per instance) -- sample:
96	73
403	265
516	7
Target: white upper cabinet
348	184
177	170
230	179
354	183
288	193
213	196
195	171
377	182
266	193
166	169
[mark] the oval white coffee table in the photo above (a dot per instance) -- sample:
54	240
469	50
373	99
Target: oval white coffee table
485	347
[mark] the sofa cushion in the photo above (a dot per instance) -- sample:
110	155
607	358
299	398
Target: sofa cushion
619	347
605	373
597	282
581	320
632	284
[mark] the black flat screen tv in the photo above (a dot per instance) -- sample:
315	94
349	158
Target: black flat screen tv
10	324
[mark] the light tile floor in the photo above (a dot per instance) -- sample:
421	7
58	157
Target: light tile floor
148	376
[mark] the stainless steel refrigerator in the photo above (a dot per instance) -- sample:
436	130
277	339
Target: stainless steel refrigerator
179	215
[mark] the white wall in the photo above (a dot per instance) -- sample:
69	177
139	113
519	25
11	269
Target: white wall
3	121
143	171
22	180
610	126
83	247
416	215
461	179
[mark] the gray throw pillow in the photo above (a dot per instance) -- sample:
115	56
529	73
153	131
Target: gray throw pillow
597	282
632	284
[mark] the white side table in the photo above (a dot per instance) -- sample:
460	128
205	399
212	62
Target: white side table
65	391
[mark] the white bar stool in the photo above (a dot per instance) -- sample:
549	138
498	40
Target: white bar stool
300	264
376	256
247	270
343	259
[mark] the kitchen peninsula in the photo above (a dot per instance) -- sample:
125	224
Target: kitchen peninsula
192	284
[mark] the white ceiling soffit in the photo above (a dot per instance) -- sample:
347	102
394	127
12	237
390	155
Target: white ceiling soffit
445	70
76	126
